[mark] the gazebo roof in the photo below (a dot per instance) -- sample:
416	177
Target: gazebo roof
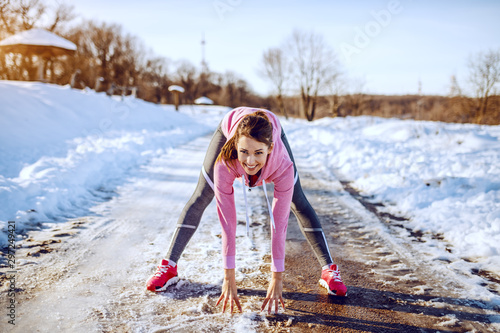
38	42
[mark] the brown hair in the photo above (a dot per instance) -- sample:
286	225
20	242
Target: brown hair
256	126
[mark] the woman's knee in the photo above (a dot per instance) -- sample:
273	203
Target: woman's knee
300	205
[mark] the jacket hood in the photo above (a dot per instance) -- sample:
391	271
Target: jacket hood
277	160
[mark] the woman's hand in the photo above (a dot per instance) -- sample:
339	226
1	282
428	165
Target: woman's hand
229	291
274	293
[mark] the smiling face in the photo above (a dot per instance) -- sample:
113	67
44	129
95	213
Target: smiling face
252	154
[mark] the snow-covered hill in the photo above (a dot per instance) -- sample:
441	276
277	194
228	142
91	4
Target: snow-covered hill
445	178
62	150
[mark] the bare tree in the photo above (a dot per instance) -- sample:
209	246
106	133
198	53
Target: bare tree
29	11
20	15
484	74
186	75
155	80
105	56
356	98
458	105
276	68
63	13
8	19
336	95
315	64
234	89
102	39
455	89
127	60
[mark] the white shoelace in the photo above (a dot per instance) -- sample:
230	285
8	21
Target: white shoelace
161	270
335	275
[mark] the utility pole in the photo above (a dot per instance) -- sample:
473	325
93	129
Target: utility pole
204	65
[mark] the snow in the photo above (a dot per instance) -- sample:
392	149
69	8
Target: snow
176	88
203	100
63	151
38	37
445	178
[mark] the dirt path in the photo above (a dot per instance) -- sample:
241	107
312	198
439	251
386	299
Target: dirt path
88	275
389	288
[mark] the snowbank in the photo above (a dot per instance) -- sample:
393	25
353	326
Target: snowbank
63	149
444	177
38	37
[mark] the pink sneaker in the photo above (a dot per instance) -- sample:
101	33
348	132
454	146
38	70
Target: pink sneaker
165	276
330	279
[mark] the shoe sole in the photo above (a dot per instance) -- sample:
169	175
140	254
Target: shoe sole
170	282
327	287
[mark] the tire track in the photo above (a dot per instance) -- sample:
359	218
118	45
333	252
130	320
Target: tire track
390	288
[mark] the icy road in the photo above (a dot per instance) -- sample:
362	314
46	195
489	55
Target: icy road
89	274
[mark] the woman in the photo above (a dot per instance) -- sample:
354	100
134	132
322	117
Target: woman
250	145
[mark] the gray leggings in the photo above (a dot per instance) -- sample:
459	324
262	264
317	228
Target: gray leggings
191	214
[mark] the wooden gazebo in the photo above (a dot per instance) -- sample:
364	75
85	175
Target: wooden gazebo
40	43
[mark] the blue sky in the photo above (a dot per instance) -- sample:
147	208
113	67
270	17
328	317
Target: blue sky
388	45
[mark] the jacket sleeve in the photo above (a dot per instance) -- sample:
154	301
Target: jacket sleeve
226	210
283	192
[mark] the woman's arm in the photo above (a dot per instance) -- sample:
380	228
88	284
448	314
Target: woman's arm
283	193
226	210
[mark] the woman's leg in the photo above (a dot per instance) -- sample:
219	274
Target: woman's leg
191	214
308	220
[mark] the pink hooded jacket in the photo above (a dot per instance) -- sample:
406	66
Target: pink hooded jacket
278	169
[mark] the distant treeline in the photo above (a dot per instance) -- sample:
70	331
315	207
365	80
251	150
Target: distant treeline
457	109
108	59
305	67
